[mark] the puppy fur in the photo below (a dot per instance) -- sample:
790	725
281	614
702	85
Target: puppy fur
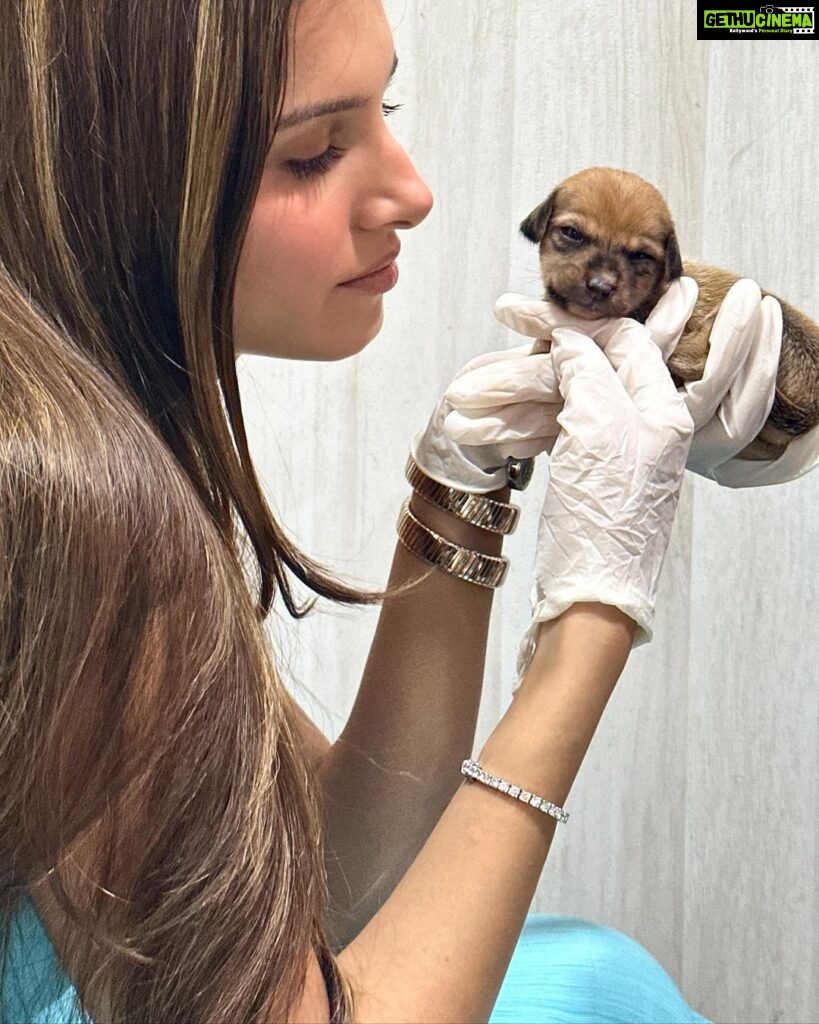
608	248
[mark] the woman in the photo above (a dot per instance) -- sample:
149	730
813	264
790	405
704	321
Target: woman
183	182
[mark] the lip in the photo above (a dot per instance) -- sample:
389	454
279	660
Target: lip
385	263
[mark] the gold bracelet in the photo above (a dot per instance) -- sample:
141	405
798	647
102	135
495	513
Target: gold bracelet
476	509
472	566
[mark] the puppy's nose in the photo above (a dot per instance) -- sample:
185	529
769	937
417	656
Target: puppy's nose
601	285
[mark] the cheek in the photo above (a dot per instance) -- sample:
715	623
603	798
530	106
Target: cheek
291	245
644	278
276	252
561	266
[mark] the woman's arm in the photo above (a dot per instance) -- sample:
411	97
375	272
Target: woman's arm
394	768
439	948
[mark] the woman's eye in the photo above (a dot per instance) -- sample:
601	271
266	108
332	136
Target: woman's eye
316	165
571	233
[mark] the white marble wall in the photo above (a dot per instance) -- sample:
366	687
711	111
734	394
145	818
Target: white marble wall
694	817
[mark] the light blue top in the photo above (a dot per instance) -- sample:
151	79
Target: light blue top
35	989
564	971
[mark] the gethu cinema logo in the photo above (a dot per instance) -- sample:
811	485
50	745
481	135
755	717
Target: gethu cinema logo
766	17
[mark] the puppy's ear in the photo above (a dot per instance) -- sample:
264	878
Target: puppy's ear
673	261
535	225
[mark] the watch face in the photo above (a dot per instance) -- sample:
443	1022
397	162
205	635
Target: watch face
519	472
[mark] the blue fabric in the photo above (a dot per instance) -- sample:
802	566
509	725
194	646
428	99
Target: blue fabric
35	989
564	971
568	971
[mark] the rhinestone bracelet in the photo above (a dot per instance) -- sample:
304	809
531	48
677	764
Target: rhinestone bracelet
474	773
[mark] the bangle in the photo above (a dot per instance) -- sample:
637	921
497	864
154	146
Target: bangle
466	564
476	509
474	773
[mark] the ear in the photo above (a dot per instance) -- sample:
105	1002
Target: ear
673	262
535	225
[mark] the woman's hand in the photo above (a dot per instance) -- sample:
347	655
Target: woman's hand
729	405
616	470
507	397
505	403
513	422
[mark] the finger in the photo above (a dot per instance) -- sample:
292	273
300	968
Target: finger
640	368
505	381
501	355
748	404
666	322
537	318
532	317
504	423
528	449
799	458
580	364
730	343
743	411
766	354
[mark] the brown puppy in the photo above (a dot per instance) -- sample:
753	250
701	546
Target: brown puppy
608	248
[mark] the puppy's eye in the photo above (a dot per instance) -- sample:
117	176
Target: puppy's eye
572	234
640	257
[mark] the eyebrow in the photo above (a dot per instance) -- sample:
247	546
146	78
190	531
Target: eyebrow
313	110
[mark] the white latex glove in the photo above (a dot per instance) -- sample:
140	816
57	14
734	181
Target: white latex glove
479	466
514	394
732	401
734	398
506	402
616	470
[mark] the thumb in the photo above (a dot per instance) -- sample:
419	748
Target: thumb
530	317
575	357
667	320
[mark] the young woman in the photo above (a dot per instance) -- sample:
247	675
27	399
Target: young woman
181	182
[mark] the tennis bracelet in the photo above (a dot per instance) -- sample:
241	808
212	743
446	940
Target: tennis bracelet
475	773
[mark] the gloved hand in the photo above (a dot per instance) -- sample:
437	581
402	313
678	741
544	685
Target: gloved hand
504	396
734	398
480	467
615	475
506	402
729	405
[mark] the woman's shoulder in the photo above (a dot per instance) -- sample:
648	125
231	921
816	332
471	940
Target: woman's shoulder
33	986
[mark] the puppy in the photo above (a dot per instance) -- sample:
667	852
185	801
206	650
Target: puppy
608	248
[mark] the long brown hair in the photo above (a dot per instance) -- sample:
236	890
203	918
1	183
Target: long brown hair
140	702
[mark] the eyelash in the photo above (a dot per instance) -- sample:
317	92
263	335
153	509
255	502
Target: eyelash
321	164
316	165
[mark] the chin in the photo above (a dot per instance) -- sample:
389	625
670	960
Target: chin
316	344
348	345
604	310
585	313
357	341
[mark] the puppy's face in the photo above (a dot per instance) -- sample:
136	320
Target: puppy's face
607	244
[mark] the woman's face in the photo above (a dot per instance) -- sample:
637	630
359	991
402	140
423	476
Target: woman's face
335	191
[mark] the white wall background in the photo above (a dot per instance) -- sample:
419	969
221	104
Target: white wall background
694	819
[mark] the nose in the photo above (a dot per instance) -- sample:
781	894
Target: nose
399	198
601	284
